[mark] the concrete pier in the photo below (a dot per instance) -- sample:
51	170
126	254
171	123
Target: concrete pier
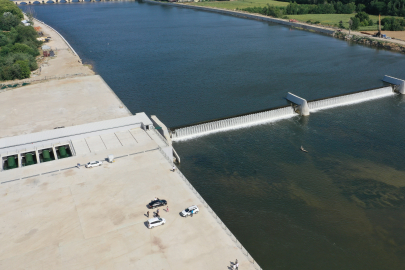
302	103
399	84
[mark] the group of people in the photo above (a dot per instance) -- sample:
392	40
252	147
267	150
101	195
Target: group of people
156	214
236	265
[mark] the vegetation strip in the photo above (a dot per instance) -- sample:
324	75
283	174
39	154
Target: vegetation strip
18	43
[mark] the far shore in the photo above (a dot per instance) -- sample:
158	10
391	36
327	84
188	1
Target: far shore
353	36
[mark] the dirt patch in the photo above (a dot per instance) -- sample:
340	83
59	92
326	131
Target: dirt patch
158	242
70	172
393	34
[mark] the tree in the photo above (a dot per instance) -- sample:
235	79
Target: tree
9	6
24	69
30	14
22	48
363	18
360	8
8	21
355	23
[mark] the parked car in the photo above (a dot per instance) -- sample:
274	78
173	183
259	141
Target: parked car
154	222
157	203
92	164
186	212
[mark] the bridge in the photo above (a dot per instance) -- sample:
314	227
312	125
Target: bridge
41	2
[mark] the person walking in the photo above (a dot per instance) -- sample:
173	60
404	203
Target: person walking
157	212
192	212
78	165
174	168
167	209
147	214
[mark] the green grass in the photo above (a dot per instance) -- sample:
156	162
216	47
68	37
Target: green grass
324	19
334	19
240	4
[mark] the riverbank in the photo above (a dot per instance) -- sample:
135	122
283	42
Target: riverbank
356	37
65	63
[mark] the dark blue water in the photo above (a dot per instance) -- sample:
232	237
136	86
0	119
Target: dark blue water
341	206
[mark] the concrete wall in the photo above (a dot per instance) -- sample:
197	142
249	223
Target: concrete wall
303	105
395	81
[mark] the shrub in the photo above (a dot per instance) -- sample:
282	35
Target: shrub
8	21
24	69
355	23
3	40
9	6
22	48
360	8
18	44
267	10
393	24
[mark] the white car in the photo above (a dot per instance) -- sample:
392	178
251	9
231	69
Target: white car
92	164
154	222
186	212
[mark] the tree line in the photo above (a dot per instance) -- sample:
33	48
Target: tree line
18	44
374	7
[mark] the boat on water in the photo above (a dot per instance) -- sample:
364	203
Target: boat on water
303	150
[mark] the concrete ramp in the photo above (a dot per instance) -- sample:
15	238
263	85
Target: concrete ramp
395	81
302	103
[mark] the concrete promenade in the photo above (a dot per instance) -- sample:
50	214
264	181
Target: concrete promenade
95	218
57	103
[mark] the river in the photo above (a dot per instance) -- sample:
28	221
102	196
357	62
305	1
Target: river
340	206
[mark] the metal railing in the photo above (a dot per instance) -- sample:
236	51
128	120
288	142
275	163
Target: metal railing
219	221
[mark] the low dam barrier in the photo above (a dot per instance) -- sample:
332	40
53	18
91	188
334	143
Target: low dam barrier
303	107
232	123
344	100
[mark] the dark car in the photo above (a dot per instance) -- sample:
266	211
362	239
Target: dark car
157	203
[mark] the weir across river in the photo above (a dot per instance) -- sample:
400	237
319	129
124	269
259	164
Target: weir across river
299	106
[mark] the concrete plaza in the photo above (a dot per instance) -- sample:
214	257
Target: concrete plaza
67	102
95	218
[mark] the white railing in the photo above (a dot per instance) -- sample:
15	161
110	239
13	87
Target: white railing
350	99
233	123
219	221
